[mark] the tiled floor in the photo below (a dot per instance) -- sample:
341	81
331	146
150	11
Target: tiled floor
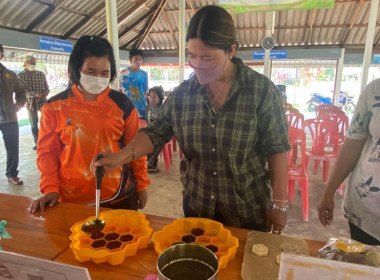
165	197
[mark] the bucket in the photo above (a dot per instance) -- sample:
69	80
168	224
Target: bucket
187	261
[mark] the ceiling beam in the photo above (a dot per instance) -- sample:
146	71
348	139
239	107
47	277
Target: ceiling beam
170	28
133	25
191	7
150	24
84	20
124	15
131	40
311	21
356	13
50	8
151	41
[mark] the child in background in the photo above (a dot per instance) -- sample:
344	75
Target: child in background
155	99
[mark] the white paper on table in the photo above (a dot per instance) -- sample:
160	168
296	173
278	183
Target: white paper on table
20	267
296	267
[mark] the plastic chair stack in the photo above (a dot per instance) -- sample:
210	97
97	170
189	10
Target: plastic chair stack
327	108
297	172
338	117
295	120
322	131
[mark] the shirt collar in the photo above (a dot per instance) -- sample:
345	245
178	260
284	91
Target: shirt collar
99	98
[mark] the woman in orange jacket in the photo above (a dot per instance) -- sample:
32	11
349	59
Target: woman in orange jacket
82	121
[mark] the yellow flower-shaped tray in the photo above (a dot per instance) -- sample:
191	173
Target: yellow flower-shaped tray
125	232
205	232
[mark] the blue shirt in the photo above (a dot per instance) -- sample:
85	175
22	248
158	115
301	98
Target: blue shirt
135	84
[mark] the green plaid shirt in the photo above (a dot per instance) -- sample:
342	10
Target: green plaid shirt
225	151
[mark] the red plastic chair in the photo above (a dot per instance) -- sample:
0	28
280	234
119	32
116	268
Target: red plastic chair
340	118
295	120
322	132
287	106
167	155
298	172
326	108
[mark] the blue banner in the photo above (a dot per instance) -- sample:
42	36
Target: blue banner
55	45
376	58
274	54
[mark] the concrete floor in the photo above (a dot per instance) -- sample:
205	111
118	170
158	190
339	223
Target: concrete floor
165	196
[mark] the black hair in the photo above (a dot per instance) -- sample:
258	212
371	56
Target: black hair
159	90
1	49
88	46
214	26
134	52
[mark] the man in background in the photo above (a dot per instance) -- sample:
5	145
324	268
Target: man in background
134	82
35	84
10	90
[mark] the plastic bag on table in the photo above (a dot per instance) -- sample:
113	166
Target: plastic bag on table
349	250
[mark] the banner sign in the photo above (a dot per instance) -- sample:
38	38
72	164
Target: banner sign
254	6
274	54
376	58
55	45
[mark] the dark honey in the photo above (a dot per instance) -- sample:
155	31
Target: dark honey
98	243
188	238
213	248
113	245
188	270
111	236
126	238
97	235
197	231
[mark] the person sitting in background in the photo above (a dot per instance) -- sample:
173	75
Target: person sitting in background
12	99
230	124
134	82
37	88
82	121
360	157
155	99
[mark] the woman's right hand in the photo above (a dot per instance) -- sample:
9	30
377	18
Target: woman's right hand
39	204
326	209
110	161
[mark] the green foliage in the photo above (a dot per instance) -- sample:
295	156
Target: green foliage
156	74
23	122
173	74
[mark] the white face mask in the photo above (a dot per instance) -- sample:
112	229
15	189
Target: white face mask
32	67
92	84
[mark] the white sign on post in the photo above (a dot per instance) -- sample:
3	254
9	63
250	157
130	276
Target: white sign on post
20	267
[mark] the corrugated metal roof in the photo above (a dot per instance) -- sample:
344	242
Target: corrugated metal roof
142	24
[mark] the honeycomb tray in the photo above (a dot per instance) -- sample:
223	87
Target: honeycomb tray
205	232
125	232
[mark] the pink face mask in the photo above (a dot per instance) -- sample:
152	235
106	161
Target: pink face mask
207	72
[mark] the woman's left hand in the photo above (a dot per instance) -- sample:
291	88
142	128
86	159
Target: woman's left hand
276	221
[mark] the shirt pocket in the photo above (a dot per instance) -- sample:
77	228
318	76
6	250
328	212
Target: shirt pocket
239	133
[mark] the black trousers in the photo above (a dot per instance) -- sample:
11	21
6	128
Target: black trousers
360	235
10	133
130	203
218	216
33	119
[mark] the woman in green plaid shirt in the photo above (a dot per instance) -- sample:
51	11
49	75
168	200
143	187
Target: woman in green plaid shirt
230	125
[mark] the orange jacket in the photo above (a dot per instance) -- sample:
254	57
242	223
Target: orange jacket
73	131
